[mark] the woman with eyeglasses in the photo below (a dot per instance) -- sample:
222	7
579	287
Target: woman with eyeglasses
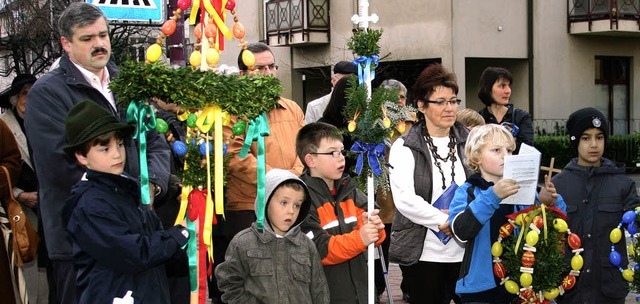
495	94
423	164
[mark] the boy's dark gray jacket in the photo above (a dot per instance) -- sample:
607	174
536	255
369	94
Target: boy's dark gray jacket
50	98
596	198
119	244
261	267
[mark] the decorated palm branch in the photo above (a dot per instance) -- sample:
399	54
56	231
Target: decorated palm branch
208	99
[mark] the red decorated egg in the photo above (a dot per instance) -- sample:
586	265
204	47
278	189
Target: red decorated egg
538	221
568	282
197	31
169	27
506	230
499	270
528	258
184	4
528	294
574	241
210	30
238	30
231	4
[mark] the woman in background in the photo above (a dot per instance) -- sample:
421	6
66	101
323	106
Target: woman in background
495	94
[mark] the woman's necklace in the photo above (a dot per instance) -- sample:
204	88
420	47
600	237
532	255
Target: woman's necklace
450	156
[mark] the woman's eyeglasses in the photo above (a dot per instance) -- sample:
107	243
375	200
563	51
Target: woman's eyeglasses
443	103
335	154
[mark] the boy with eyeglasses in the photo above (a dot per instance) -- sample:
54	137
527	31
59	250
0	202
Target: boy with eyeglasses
337	222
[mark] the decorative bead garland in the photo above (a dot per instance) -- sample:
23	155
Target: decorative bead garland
628	219
527	292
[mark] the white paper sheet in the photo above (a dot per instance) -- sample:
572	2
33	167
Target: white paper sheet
524	168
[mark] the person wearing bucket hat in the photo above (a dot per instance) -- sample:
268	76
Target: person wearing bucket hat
111	231
84	72
85	122
597	193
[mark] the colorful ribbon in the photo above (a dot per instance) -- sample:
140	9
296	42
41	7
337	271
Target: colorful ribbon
367	66
374	153
141	114
257	130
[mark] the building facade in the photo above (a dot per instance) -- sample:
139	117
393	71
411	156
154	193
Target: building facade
563	55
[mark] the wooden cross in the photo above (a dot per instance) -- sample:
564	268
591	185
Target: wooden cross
551	169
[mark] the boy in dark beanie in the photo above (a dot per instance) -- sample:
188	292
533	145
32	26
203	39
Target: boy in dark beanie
119	247
597	193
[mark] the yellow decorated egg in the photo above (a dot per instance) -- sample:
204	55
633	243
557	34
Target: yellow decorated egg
560	225
154	52
248	59
212	56
577	262
496	249
532	238
520	219
386	122
627	274
526	279
352	126
551	294
401	126
615	235
195	59
511	286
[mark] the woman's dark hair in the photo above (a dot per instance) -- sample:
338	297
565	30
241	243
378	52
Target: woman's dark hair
333	113
489	76
433	76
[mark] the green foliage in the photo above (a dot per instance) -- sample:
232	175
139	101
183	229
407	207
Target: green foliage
550	267
364	42
242	96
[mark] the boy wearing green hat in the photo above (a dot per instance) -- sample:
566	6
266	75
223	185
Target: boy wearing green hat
119	247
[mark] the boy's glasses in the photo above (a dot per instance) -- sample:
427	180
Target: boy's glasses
335	154
443	103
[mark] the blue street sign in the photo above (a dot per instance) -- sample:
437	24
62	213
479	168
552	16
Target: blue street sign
147	11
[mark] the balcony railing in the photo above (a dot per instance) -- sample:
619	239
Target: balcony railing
615	15
290	22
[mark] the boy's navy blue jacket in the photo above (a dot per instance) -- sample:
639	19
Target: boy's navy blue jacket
597	197
119	244
477	223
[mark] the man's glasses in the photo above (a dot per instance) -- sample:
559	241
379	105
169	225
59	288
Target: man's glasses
264	68
443	103
335	154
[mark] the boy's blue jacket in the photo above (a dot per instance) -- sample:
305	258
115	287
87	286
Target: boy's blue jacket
119	244
477	223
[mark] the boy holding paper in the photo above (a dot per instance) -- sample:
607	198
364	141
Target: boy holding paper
476	213
597	193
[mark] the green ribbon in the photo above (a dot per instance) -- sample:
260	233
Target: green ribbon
141	114
257	130
192	253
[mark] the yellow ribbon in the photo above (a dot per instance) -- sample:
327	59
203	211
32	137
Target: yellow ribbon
218	159
544	220
194	12
184	202
183	115
205	119
219	22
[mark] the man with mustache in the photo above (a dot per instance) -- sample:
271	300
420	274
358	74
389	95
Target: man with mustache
84	73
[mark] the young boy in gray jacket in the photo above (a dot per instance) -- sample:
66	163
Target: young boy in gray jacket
278	263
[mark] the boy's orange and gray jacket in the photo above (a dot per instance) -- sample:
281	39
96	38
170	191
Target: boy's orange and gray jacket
334	226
